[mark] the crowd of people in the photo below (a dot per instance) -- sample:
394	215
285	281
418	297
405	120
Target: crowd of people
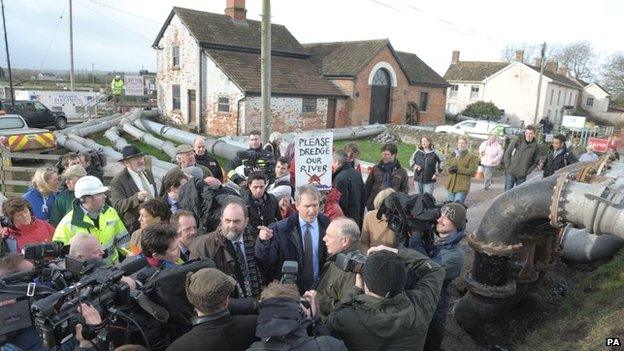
252	223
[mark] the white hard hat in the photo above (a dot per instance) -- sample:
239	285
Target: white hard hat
118	77
89	185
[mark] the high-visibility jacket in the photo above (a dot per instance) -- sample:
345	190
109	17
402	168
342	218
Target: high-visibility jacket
110	230
117	86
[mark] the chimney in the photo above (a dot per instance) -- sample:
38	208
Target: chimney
236	9
551	66
519	55
455	58
563	70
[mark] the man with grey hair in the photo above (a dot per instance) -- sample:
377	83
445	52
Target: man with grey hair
296	238
203	158
273	146
343	236
85	246
351	187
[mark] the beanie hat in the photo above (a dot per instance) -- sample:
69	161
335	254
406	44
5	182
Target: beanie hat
384	273
208	287
456	213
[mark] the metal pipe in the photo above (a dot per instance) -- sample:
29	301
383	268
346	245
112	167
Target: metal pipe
168	147
91	122
119	143
580	246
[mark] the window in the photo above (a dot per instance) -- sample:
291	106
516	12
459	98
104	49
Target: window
474	92
224	104
453	90
558	97
309	105
175	96
552	94
39	107
381	78
175	56
590	101
424	100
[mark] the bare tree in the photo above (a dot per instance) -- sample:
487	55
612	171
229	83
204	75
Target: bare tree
613	77
508	53
579	57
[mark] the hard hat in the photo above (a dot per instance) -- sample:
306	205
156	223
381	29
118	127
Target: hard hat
89	185
118	77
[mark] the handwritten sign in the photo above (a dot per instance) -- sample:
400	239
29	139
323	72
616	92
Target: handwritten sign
599	145
133	85
313	159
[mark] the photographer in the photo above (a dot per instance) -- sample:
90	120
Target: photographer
160	246
254	158
284	323
334	282
378	314
214	328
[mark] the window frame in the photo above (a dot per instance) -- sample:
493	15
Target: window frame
454	90
173	97
587	101
305	108
175	54
220	104
420	101
474	95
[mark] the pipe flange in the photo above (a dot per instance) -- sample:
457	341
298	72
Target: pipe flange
586	174
507	290
492	249
556	220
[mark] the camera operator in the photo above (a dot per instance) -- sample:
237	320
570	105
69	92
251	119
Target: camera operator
208	290
255	152
284	323
378	314
335	283
160	247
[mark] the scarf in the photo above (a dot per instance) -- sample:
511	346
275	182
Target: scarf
387	169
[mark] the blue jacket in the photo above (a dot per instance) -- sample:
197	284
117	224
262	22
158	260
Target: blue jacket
36	200
286	245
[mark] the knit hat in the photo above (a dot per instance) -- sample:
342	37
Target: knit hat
456	213
384	273
74	171
208	287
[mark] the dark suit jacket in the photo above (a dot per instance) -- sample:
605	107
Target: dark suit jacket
286	245
124	197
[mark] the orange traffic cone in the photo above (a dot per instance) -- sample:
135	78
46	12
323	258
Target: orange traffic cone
479	174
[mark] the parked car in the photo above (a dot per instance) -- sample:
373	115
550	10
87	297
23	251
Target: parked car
36	114
15	135
474	128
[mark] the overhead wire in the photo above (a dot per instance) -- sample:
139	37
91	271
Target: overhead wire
125	12
58	23
113	21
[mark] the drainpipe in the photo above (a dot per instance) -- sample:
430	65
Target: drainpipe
200	98
238	108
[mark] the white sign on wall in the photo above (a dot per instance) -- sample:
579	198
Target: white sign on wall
133	85
313	159
573	122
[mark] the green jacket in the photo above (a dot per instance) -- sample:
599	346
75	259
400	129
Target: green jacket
62	205
117	86
396	323
521	158
466	164
333	284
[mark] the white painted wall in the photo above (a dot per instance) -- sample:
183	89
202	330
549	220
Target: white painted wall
601	99
456	104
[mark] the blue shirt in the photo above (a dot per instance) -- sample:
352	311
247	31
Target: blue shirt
41	206
314	231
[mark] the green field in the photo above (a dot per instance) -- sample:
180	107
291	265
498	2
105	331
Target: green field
370	150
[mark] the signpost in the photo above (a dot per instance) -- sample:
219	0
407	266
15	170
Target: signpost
133	85
313	159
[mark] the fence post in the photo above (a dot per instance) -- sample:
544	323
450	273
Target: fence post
6	162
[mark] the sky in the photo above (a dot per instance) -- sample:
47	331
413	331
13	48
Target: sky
118	34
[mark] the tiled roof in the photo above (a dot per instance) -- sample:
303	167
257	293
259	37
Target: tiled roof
559	78
473	71
289	76
220	30
344	59
418	72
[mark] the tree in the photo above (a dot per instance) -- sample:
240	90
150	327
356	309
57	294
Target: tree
578	57
613	77
531	51
483	110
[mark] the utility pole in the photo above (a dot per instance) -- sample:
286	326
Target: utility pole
6	44
539	82
266	69
71	47
92	73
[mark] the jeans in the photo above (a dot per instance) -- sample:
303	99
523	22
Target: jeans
511	181
488	172
422	188
457	197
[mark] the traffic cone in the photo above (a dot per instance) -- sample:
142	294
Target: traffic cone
479	174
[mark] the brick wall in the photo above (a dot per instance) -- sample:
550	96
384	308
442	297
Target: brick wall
286	114
217	85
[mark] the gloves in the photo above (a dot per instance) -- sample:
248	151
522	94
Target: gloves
452	169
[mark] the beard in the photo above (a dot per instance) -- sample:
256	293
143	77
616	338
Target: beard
231	235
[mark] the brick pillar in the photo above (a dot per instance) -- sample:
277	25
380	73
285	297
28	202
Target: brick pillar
236	9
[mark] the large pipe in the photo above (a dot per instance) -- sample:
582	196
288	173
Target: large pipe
91	122
119	143
166	146
581	247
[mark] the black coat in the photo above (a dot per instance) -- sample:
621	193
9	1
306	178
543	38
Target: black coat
211	163
124	198
553	164
351	187
429	163
268	214
204	202
223	333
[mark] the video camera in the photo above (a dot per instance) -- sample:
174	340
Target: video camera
262	161
409	214
40	251
352	261
290	271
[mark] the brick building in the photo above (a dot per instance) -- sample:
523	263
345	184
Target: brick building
208	78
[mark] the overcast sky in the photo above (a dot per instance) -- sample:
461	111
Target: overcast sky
117	34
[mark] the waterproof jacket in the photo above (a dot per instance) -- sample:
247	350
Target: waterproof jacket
62	205
212	164
521	157
466	164
117	86
286	245
124	197
491	153
554	163
110	230
41	205
430	162
395	323
332	204
281	327
37	231
374	182
333	284
220	331
351	186
263	215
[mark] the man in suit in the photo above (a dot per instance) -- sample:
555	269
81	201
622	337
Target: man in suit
131	187
296	238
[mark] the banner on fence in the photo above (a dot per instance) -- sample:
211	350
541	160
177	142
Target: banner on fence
313	159
599	144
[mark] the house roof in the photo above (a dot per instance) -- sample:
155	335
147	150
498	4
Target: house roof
418	72
558	78
211	29
473	71
344	59
289	75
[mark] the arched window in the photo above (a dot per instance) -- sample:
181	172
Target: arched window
381	77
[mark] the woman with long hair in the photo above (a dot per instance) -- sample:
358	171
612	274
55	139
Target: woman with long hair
42	193
427	164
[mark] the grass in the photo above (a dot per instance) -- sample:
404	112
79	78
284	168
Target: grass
589	313
370	150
